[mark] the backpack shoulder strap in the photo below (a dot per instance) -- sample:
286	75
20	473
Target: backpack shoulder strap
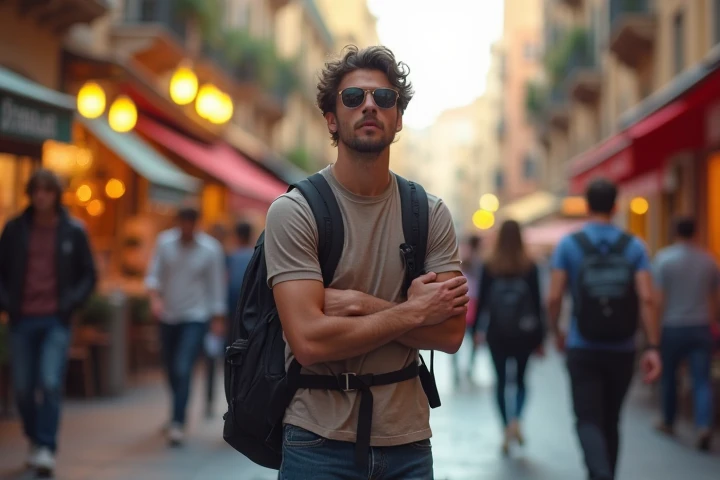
622	243
415	222
585	243
329	221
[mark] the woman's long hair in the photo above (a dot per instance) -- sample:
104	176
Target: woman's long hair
508	256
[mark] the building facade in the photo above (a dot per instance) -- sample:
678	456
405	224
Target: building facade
629	94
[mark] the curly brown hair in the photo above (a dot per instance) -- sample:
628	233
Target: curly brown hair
370	58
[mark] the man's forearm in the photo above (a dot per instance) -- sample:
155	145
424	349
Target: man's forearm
334	338
651	321
442	336
554	307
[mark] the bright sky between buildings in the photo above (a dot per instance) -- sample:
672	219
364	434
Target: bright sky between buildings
446	43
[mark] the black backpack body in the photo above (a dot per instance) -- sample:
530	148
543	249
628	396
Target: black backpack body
515	322
258	389
606	301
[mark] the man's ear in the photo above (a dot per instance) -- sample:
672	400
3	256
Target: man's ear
331	120
399	124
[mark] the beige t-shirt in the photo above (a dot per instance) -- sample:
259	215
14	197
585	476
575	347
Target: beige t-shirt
370	263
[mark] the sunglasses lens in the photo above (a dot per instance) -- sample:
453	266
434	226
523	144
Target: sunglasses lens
385	98
353	97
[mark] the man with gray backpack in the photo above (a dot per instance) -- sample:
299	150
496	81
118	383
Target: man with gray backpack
323	376
608	274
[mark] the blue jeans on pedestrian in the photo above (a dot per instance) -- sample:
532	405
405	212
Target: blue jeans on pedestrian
39	349
307	456
181	345
694	344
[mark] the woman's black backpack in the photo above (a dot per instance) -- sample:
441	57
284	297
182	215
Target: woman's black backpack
257	387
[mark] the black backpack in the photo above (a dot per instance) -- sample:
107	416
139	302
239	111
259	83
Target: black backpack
514	319
606	301
257	388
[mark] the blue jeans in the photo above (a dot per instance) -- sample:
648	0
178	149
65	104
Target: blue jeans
181	345
695	344
307	456
39	348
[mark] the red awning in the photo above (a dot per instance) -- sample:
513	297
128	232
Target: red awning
219	161
672	129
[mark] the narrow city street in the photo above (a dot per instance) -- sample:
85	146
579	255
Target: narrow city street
120	439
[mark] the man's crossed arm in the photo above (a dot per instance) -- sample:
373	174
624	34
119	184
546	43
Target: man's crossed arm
432	318
446	336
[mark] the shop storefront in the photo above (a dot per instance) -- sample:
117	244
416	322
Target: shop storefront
655	158
234	186
33	118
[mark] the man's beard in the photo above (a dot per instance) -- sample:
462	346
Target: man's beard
367	145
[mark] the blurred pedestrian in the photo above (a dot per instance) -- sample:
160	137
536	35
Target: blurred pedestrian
214	345
238	261
687	281
471	267
46	273
510	293
607	272
186	282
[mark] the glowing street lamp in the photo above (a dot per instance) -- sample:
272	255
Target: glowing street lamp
639	206
208	101
123	114
489	202
91	100
483	220
183	85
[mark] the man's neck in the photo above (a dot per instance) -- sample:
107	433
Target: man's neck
45	219
366	174
598	218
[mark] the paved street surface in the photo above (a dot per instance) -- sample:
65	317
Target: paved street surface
120	439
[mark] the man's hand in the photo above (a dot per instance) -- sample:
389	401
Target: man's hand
157	307
217	326
560	341
651	366
343	303
439	301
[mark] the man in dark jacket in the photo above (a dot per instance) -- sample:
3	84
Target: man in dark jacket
46	273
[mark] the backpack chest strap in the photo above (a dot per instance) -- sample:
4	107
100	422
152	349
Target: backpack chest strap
348	382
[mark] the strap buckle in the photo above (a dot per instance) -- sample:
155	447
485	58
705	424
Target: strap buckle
345	384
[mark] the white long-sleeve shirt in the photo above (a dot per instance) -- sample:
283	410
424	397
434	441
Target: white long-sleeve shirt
190	278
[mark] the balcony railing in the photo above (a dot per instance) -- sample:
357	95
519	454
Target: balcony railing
584	80
155	12
60	15
633	30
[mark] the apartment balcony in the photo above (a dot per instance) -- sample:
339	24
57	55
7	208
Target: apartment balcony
500	129
276	5
572	3
59	15
632	30
154	33
558	109
584	79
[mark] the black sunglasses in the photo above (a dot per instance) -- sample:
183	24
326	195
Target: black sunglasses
353	97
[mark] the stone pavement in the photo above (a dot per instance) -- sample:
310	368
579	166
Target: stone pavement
120	439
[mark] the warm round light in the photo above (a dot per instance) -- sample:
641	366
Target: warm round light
84	157
83	193
95	208
123	114
225	110
489	202
91	100
639	205
208	101
483	219
183	86
114	188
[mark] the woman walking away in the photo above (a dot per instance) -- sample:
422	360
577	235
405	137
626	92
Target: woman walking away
510	293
